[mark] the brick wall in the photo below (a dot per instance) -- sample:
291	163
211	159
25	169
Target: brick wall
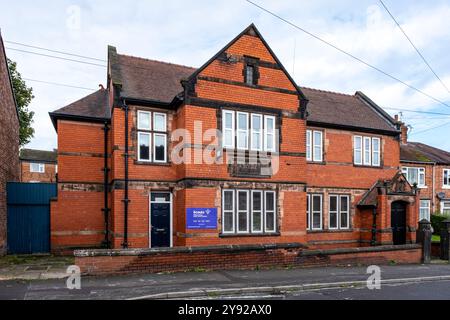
243	257
9	143
49	176
77	220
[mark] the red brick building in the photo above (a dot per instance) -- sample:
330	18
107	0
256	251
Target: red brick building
9	140
142	164
38	166
429	168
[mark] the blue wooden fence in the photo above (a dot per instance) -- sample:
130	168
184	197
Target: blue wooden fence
29	217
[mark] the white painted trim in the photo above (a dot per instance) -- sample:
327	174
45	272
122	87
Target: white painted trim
149	120
337	212
154	121
260	132
309	145
150	216
360	149
150	150
312	211
238	211
232	191
261	211
165	147
275	214
233	129
242	131
273	134
319	157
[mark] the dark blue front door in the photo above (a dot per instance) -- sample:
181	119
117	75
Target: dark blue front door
160	228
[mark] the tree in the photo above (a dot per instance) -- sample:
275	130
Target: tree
23	95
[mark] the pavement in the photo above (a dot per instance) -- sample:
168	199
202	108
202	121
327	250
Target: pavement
34	267
308	283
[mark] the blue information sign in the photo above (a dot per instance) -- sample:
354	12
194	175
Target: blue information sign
201	218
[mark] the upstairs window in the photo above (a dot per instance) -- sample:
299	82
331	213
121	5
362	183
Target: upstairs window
367	151
415	176
314	145
446	178
250	75
424	212
152	137
248	131
37	167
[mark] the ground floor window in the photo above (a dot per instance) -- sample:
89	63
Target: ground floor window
249	212
445	207
339	212
424	210
314	211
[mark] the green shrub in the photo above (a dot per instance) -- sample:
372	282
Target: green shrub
436	222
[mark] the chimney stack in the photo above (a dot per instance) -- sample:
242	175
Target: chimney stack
403	129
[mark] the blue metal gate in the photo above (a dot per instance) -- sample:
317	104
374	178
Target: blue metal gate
29	217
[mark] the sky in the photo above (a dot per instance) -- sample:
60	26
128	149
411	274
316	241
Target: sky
190	32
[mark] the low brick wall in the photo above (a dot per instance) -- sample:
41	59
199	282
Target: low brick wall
104	262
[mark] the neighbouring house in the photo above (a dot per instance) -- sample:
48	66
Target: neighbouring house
9	140
141	164
429	169
38	166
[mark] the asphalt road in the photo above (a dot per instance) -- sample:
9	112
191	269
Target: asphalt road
140	285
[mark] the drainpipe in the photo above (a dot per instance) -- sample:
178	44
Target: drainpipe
433	191
126	200
374	227
106	210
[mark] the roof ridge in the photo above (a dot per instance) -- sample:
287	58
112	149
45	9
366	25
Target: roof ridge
328	91
158	61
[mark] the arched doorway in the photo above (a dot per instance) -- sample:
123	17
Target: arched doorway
398	222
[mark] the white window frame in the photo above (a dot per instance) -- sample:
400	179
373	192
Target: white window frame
446	185
150	150
259	132
317	157
376	152
367	151
426	207
154	147
442	205
308	212
154	121
242	131
267	134
309	145
313	195
233	231
238	212
40	169
232	129
421	171
261	211
274	211
334	211
149	120
339	212
358	149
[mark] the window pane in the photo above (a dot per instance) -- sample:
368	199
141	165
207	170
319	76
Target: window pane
257	221
270	221
160	147
333	220
256	122
228	138
257	201
256	141
242	200
316	220
316	205
270	201
270	145
242	140
228	200
144	120
228	120
270	124
160	122
344	203
367	151
242	221
317	146
250	73
160	197
446	177
308	145
413	175
333	203
144	146
242	121
358	150
228	221
344	220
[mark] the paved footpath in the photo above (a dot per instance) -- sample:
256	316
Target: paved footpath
127	287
